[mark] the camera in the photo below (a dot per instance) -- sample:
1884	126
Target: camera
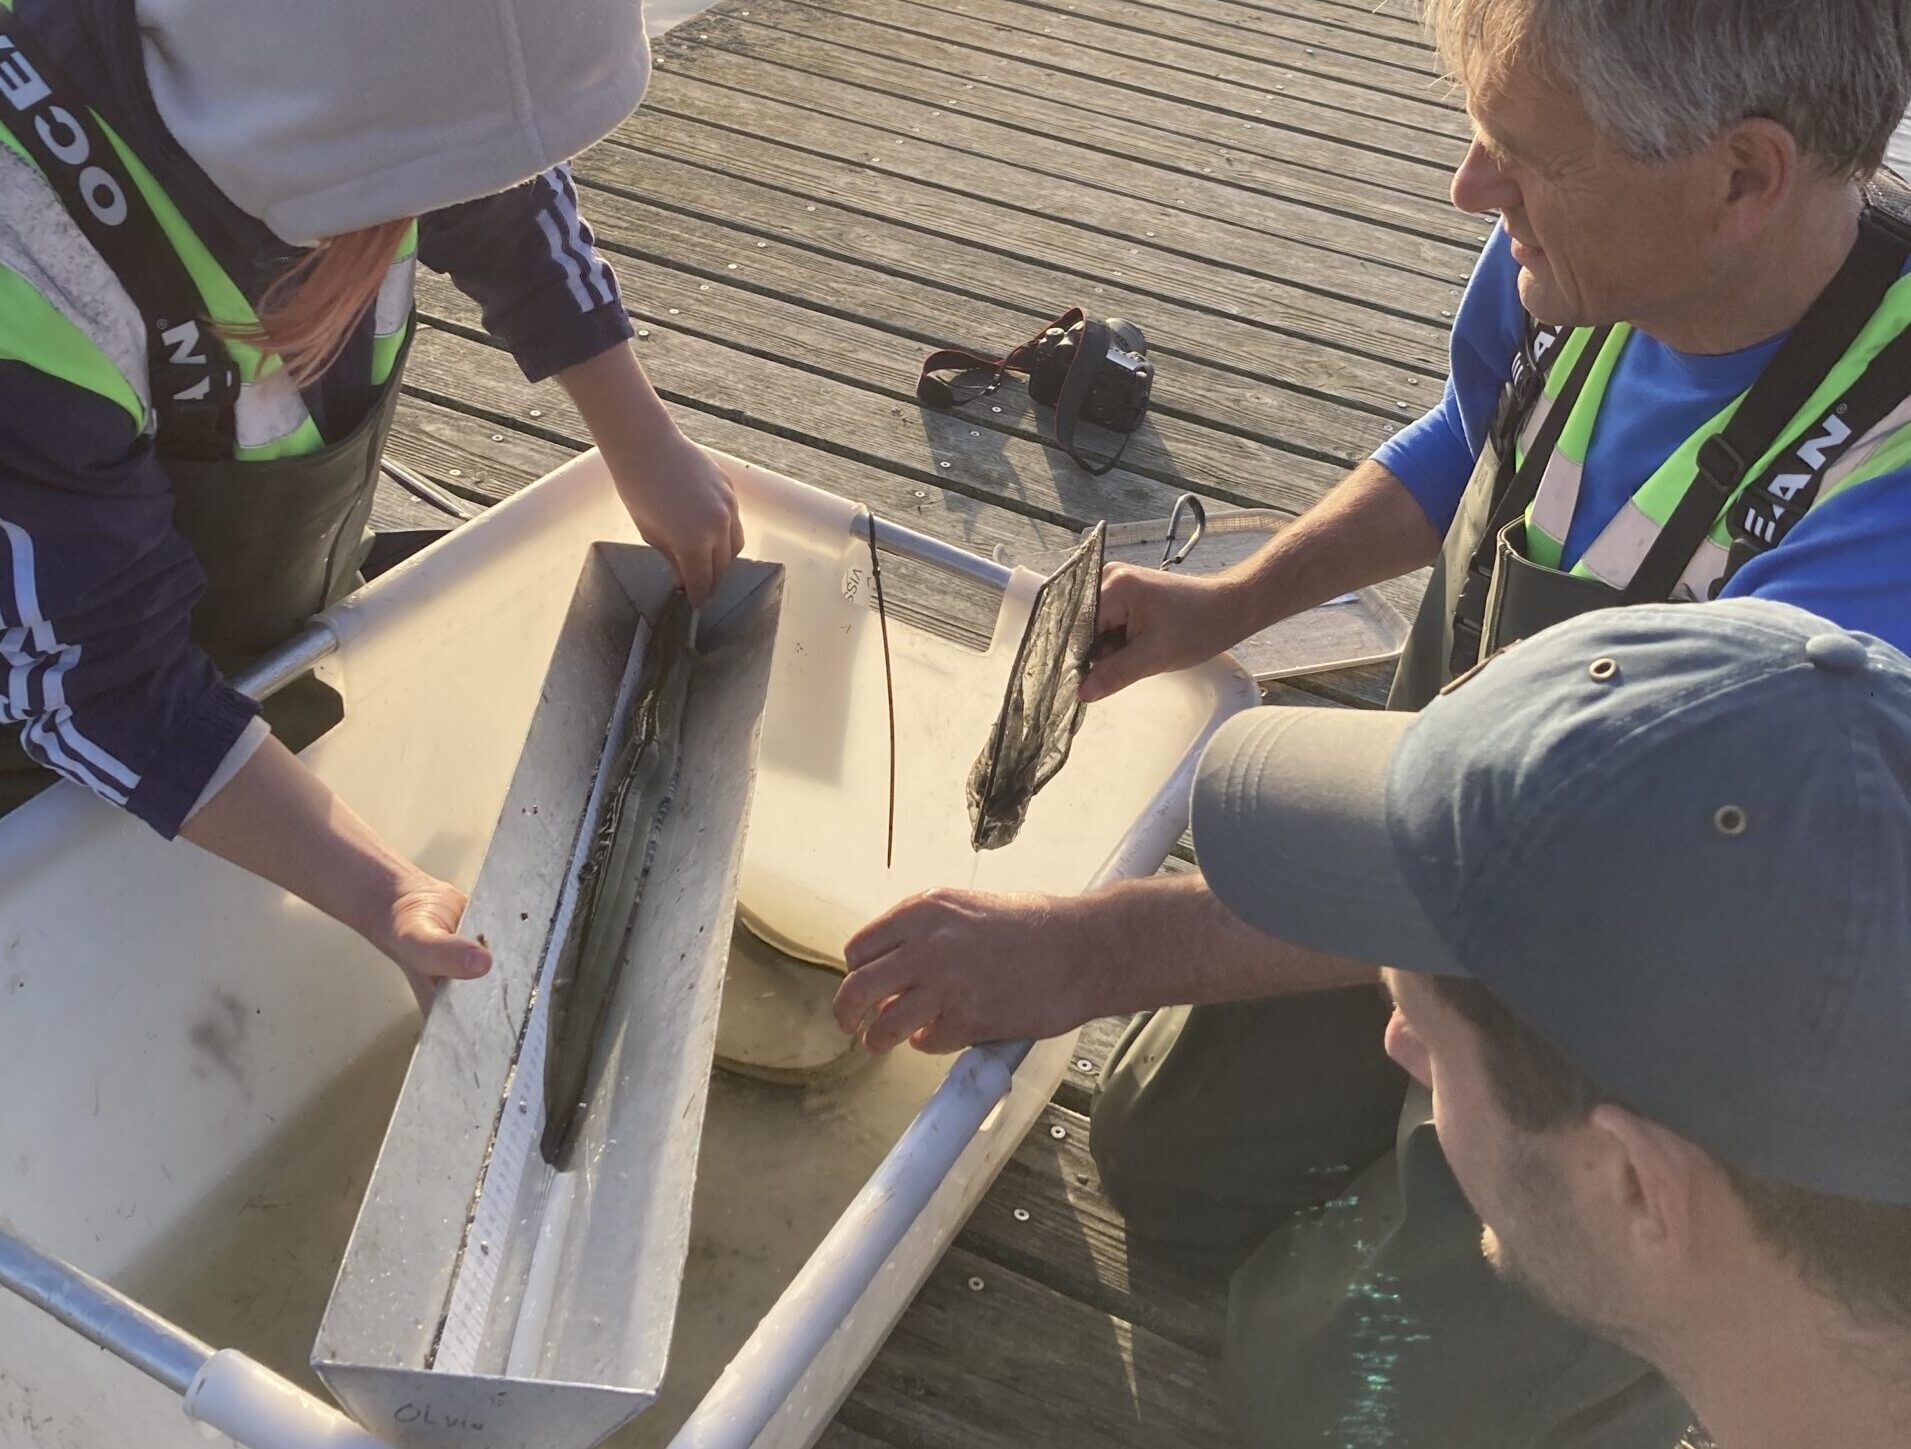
1118	387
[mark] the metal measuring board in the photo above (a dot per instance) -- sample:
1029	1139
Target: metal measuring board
485	1299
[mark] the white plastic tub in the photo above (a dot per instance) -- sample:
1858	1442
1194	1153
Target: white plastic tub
197	1069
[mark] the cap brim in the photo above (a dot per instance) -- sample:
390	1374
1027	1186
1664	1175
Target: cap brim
1290	829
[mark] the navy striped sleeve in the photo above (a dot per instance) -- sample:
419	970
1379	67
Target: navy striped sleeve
528	259
96	595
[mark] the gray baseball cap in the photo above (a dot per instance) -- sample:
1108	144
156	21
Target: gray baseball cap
1674	839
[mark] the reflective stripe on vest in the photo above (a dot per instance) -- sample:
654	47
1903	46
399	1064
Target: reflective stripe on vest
270	419
1615	555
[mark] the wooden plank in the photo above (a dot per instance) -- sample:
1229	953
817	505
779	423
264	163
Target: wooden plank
1430	126
988	456
1011	1364
1094	1046
1350	63
487	435
1125	258
393	508
848	85
457	452
492	459
1095	114
1372	145
700	220
1397	23
1046	1219
922	315
1405	47
867	327
1412	291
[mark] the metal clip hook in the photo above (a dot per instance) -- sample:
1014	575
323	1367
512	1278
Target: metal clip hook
1186	503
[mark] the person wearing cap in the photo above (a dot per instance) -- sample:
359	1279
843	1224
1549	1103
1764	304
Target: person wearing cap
1640	889
210	217
1681	371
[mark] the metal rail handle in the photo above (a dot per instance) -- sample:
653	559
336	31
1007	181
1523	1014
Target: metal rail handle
272	671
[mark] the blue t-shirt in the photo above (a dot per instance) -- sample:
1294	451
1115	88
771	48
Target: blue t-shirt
1849	559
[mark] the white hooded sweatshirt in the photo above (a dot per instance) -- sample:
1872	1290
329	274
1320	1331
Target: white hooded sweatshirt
324	116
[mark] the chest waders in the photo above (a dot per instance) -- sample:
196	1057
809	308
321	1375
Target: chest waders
276	516
1823	410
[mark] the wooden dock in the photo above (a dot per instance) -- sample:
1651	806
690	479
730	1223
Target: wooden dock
818	192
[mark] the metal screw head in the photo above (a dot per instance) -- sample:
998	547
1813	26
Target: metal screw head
676	312
996	409
703	286
1083	1064
1021	1215
497	437
643	333
731	266
1058	1132
1413	382
943	464
455	472
1603	669
761	245
920	492
976	1285
809	208
537	412
1729	820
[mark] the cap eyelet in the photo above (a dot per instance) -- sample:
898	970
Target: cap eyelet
1603	669
1729	820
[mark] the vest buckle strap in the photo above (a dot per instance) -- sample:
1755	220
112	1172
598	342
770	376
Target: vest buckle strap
1720	466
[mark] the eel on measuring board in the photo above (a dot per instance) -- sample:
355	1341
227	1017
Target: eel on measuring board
610	883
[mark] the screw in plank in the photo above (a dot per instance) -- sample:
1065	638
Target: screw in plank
703	286
976	1285
1083	1064
676	311
943	464
1058	1132
920	492
455	472
761	245
996	409
731	266
1021	1215
537	412
497	437
643	334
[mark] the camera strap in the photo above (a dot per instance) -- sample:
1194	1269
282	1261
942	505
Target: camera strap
952	376
933	390
1089	355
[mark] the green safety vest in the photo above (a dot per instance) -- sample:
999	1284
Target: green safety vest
56	335
1616	553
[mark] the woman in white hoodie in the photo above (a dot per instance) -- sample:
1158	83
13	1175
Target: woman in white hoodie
210	212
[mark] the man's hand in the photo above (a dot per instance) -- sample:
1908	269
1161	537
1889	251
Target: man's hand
676	494
1171	621
685	507
950	968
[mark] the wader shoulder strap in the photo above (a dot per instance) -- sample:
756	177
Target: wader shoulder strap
1515	485
1767	511
1811	351
193	382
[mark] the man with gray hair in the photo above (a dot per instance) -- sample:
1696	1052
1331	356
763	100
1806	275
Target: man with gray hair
1682	370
